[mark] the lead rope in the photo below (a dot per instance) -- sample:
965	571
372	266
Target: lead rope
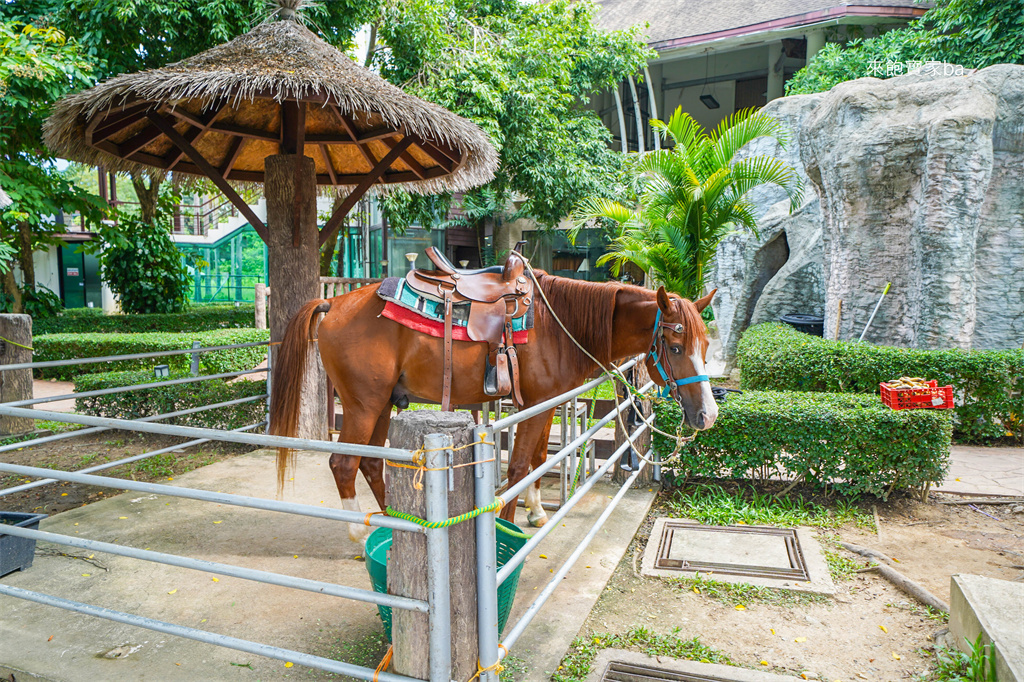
617	373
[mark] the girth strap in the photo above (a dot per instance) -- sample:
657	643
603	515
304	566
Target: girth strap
446	386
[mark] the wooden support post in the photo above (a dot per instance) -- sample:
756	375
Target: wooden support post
406	566
15	384
295	271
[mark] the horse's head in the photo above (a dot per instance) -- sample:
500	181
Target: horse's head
678	350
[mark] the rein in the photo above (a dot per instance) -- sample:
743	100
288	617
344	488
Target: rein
671	387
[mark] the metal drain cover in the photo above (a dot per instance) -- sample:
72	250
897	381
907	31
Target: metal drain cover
617	671
618	665
787	558
691	547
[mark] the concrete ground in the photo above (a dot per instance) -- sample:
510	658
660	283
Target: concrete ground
44	388
985	471
47	643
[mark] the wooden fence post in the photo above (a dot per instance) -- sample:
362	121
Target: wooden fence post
408	558
15	384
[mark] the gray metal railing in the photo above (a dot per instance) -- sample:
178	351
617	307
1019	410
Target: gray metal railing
436	606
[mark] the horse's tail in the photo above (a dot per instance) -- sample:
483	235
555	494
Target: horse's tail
289	375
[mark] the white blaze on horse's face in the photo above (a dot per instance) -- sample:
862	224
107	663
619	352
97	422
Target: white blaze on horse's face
686	348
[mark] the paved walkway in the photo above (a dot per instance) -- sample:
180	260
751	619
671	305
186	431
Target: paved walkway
44	388
985	471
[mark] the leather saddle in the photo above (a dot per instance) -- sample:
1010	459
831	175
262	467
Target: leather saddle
497	295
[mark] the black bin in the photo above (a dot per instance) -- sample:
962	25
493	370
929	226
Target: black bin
16	553
808	324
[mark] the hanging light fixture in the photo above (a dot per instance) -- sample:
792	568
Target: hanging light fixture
708	99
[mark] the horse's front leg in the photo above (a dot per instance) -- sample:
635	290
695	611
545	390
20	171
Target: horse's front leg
530	448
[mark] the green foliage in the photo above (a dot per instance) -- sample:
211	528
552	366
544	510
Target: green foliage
713	505
69	346
525	73
131	35
955	666
195	319
163	399
850	443
41	303
578	662
971	33
689	197
142	265
988	385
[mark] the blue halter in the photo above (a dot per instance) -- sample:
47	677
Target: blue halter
671	384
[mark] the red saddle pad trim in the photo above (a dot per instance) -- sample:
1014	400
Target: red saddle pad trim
420	323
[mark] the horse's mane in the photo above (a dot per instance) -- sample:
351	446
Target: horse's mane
587	310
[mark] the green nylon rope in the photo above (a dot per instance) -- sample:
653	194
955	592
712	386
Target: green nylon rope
493	506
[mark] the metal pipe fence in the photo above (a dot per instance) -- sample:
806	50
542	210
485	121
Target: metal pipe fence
436	606
574	446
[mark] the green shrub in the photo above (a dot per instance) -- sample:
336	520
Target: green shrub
163	399
988	385
851	443
68	346
196	319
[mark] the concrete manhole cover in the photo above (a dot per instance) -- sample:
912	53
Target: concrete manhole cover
787	558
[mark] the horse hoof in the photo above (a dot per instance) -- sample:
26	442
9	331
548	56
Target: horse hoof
537	522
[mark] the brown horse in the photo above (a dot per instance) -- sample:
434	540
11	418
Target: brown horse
374	363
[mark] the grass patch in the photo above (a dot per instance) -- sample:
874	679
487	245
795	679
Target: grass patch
744	594
169	464
922	611
579	661
41	425
714	505
955	666
840	566
513	668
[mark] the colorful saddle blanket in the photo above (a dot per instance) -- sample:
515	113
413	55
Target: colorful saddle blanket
425	314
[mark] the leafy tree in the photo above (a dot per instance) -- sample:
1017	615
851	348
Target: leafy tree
971	33
525	73
141	263
37	66
690	196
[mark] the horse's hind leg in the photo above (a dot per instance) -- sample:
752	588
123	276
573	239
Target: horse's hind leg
356	427
373	468
531	446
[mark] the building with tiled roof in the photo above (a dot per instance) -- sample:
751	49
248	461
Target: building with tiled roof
718	56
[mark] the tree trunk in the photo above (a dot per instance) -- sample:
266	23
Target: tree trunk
12	290
293	252
327	251
25	260
16	331
148	195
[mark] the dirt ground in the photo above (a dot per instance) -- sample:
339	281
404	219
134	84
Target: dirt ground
85	451
870	631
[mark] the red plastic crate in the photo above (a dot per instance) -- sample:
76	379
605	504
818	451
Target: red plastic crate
934	397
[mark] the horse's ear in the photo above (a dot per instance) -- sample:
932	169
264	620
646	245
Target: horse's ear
663	301
703	303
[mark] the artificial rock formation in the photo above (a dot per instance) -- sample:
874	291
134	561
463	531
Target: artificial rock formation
920	181
779	270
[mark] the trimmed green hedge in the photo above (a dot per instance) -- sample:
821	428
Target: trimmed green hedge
988	385
196	319
163	399
851	443
69	346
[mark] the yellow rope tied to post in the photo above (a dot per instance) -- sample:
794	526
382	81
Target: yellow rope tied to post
497	668
384	662
15	343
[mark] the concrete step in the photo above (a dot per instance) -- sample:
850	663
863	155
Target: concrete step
994	609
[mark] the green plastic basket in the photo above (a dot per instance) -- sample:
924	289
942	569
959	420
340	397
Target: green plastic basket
379	544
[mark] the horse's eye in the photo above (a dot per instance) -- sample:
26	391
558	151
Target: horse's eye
676	350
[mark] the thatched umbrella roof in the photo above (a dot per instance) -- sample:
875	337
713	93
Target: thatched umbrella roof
236	103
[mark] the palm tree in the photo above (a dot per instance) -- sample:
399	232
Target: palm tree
690	196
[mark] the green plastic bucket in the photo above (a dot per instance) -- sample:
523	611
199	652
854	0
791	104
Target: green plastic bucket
379	544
